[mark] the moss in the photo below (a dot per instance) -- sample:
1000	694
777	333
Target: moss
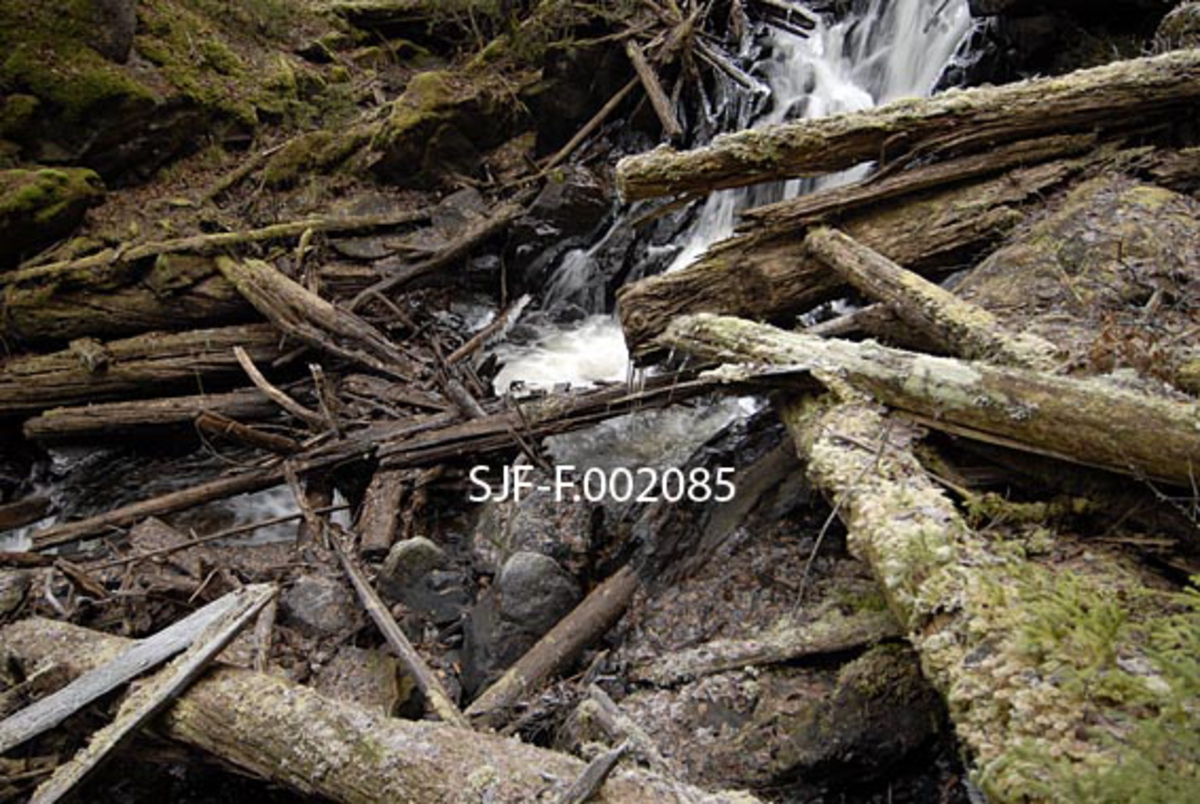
40	206
16	114
218	56
314	152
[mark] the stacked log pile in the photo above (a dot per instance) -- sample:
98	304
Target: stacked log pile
1020	362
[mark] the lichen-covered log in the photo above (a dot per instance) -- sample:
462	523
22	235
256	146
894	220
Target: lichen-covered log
289	734
768	273
137	367
1088	421
1068	682
142	417
1162	87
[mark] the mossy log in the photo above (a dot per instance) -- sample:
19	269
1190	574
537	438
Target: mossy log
1088	421
768	274
289	734
115	419
137	367
1064	683
1113	96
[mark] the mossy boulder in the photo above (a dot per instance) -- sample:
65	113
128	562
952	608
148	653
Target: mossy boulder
38	207
441	125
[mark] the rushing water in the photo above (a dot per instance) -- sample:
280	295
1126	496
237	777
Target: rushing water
880	51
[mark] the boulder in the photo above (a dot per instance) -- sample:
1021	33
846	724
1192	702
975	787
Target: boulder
530	595
38	207
319	606
417	574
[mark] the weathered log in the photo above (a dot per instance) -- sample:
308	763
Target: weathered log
381	511
654	91
105	420
1015	648
142	366
23	512
555	651
964	121
768	274
312	320
289	734
1088	421
958	327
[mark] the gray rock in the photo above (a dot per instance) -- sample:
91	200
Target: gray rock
530	595
115	23
564	531
369	678
319	605
417	574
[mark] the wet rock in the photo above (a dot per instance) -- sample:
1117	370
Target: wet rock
319	606
417	574
562	530
1180	28
576	82
14	584
530	595
38	207
369	678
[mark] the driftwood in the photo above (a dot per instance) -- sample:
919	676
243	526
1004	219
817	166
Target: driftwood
426	680
293	736
142	366
1088	421
1113	96
158	693
137	659
956	326
115	419
555	651
767	273
381	511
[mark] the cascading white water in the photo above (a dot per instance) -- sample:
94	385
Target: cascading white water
882	50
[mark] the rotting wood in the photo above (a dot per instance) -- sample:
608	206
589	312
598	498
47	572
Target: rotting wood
23	512
279	730
139	657
592	779
768	274
109	419
1088	421
214	424
556	650
158	693
314	321
142	366
958	327
431	686
380	515
1110	96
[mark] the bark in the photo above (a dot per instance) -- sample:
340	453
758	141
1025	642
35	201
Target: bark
1088	421
974	608
768	273
957	327
116	419
654	90
381	511
289	734
139	367
1108	97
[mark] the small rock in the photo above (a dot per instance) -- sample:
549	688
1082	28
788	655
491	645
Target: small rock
563	531
319	605
416	575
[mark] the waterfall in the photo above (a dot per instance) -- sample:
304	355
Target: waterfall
880	51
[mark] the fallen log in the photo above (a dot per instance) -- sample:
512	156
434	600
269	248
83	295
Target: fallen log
281	731
142	366
116	419
768	273
654	90
1088	421
963	121
958	327
381	511
1019	650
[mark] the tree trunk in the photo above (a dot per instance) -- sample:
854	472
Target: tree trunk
1113	96
137	367
1086	421
291	735
768	274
